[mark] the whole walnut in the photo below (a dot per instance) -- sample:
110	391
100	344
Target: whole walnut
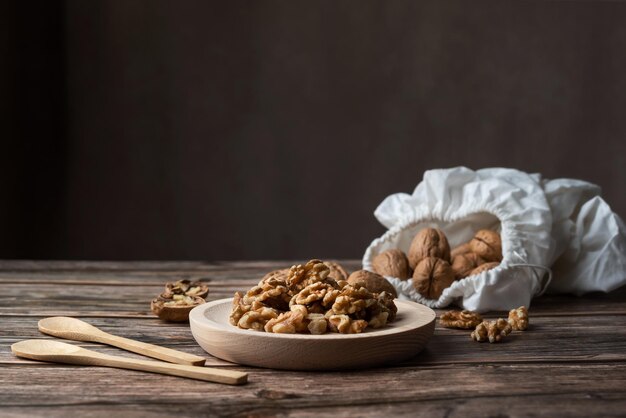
461	249
429	242
487	244
484	267
373	282
392	263
431	276
463	264
337	272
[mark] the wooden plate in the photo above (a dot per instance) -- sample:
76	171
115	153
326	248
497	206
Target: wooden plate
400	340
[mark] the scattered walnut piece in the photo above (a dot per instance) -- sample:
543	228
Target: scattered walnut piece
493	331
518	318
460	319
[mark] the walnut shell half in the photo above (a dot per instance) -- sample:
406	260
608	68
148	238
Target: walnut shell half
175	310
429	242
373	282
431	276
178	299
392	263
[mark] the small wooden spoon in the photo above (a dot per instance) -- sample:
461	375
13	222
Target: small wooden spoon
58	352
77	330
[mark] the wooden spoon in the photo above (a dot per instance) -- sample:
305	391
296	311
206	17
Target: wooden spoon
75	329
58	352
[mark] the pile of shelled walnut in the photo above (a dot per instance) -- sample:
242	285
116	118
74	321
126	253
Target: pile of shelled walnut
315	298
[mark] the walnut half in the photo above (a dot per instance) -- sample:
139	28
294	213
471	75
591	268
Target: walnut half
460	319
493	331
518	318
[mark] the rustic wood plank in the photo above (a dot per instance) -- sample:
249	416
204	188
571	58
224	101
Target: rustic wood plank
606	405
572	361
118	298
153	266
271	391
223	280
548	339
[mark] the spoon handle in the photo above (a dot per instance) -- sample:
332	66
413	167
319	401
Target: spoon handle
151	350
229	377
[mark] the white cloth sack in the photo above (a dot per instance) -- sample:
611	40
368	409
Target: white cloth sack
563	224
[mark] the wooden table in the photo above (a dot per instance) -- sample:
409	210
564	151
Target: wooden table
571	362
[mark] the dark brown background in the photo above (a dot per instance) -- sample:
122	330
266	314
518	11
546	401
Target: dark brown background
224	130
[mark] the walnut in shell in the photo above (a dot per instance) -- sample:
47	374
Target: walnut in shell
431	276
484	267
392	263
463	264
337	272
374	282
429	242
487	245
461	249
178	300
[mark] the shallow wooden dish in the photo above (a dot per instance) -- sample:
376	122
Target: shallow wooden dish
400	340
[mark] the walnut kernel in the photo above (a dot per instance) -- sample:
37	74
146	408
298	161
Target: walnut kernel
492	331
518	318
460	319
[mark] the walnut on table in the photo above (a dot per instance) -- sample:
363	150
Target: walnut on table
518	318
492	331
460	319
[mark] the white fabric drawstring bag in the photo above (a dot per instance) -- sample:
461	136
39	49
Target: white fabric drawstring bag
560	223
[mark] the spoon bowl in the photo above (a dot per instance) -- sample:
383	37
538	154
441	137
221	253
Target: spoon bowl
37	349
67	327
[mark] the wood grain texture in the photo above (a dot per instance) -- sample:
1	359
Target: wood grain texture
571	362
